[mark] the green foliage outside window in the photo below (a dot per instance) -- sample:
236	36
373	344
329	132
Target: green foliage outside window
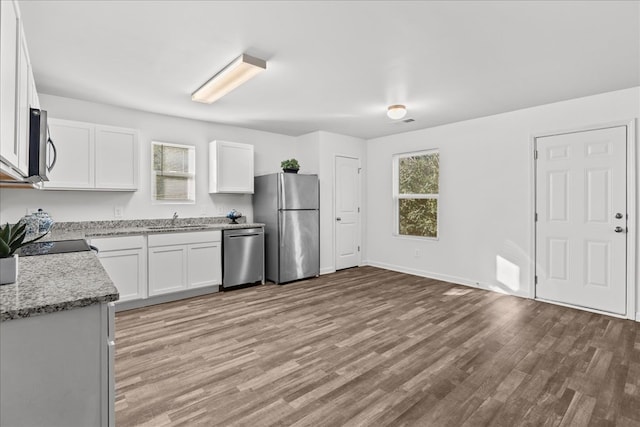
418	189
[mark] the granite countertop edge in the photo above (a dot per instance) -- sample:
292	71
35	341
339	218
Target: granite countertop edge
56	307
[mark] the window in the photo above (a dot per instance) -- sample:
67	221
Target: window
173	172
415	191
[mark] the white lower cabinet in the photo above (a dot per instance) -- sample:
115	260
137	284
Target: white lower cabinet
57	369
158	265
201	271
181	261
167	269
125	260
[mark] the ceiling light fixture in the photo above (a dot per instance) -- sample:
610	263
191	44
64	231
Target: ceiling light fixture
230	77
396	112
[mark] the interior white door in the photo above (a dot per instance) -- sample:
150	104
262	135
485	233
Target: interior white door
582	219
347	203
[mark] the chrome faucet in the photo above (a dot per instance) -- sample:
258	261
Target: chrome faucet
175	216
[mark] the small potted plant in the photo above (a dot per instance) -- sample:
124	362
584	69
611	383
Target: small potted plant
12	239
290	166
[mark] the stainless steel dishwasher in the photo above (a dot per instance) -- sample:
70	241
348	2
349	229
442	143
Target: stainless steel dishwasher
243	257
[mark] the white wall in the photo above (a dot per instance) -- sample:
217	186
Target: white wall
485	191
316	153
270	149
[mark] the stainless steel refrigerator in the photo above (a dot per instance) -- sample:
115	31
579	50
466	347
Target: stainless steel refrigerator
289	206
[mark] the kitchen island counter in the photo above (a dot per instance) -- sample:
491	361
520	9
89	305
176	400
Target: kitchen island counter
52	283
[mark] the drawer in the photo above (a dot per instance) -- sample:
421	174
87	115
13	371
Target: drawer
167	239
118	243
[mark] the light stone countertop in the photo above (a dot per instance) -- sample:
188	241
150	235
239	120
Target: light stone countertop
88	233
51	283
88	229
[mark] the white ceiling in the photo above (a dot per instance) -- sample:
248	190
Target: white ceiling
334	65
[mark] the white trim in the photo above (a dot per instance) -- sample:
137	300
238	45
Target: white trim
191	176
532	215
632	219
446	278
578	307
486	287
631	211
327	270
396	196
333	222
418	196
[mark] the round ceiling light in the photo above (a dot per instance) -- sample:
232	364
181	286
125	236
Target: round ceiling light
396	112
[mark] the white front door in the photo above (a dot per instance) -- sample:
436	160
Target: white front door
347	203
582	218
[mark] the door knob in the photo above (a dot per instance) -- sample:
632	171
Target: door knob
619	215
618	229
338	219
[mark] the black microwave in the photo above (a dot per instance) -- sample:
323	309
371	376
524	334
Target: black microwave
42	151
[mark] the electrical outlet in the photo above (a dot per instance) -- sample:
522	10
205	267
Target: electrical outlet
417	253
118	211
220	209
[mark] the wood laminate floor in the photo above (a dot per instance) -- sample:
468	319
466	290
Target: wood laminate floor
371	347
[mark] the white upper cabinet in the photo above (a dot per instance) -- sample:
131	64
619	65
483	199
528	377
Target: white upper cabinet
34	100
74	168
15	73
22	106
230	167
116	158
93	157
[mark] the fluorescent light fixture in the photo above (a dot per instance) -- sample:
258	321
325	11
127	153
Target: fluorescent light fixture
396	112
233	75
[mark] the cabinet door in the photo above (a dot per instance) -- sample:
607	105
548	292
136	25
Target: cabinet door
22	106
52	368
75	165
204	265
167	269
231	167
34	100
116	158
9	36
127	269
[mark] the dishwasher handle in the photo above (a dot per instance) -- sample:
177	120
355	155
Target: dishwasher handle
240	236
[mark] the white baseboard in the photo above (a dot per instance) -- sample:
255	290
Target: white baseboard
638	316
447	278
327	270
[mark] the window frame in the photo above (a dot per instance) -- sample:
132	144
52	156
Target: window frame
396	196
191	175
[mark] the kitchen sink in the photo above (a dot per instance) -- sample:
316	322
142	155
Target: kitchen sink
175	227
